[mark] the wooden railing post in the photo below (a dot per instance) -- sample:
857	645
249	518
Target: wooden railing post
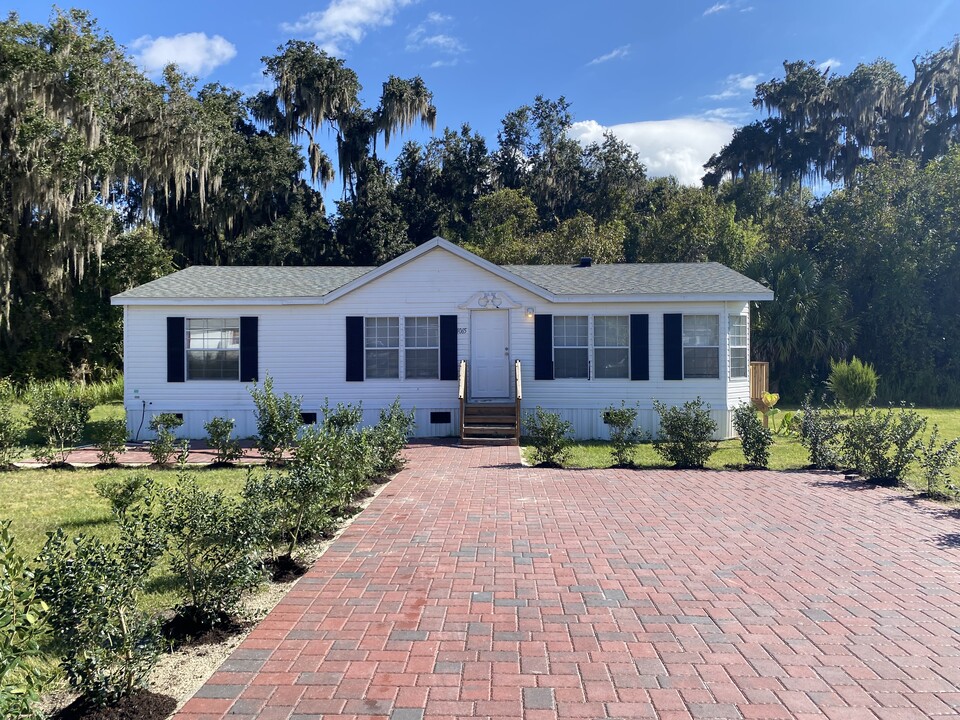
462	393
518	379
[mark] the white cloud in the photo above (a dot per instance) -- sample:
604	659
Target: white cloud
619	52
345	21
717	7
194	53
829	63
735	86
430	35
677	147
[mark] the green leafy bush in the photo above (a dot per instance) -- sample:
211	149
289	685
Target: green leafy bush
219	432
389	437
686	434
278	420
122	494
347	459
110	438
23	631
107	644
624	434
550	436
881	444
820	434
165	442
211	541
853	383
59	414
936	458
12	431
342	418
755	439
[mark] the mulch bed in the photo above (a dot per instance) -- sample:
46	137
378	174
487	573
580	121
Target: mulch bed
185	629
142	705
284	569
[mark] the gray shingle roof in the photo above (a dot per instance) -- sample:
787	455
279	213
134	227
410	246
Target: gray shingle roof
638	279
204	281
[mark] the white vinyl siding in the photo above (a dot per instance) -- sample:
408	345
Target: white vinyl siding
213	349
701	346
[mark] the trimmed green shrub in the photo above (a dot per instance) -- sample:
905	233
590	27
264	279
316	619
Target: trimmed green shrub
624	434
23	631
389	437
881	444
12	432
165	442
342	418
755	439
853	383
107	645
936	458
686	434
278	420
123	494
59	414
219	432
550	436
110	439
820	434
211	541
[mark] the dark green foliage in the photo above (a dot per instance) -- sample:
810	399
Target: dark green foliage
624	434
343	418
389	437
550	436
165	442
23	631
278	420
820	434
853	383
936	458
881	444
59	416
686	434
12	433
219	431
107	645
110	439
211	541
122	494
755	439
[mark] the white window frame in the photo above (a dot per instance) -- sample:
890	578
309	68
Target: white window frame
744	338
594	347
381	348
420	348
229	349
585	347
696	346
400	348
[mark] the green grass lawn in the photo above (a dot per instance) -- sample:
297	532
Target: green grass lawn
786	454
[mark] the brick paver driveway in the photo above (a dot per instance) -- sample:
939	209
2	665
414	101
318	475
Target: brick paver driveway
472	587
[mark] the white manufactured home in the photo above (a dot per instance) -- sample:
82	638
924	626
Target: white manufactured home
467	343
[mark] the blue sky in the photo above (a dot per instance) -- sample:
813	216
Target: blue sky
671	78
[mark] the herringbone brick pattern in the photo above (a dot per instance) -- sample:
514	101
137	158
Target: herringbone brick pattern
473	587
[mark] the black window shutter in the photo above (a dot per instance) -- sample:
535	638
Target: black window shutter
249	349
543	347
448	347
176	350
354	349
639	347
673	346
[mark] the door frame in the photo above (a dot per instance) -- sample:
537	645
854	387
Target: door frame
474	344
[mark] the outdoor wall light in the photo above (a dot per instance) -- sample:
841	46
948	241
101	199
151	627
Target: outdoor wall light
530	312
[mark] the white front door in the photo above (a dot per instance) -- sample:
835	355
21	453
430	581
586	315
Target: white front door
490	354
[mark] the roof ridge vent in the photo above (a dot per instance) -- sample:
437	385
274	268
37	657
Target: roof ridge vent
585	261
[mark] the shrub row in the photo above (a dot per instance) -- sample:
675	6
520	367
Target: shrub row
83	593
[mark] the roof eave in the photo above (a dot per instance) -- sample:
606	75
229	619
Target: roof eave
260	300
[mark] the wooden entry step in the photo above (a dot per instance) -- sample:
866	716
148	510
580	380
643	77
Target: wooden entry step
490	423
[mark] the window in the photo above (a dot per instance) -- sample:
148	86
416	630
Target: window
382	347
422	347
213	349
570	346
739	346
611	346
701	346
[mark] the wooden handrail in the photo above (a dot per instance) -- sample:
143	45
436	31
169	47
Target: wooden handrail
462	393
518	375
